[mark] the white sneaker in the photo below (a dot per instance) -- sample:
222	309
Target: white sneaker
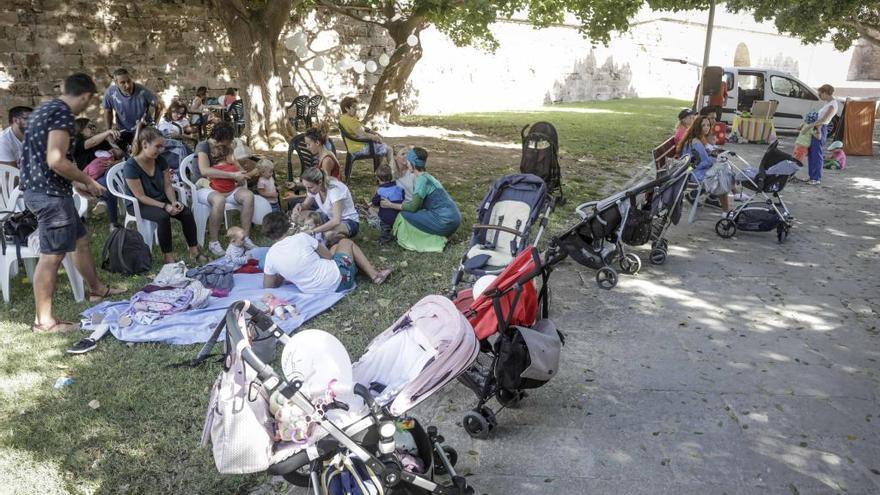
248	243
742	197
215	248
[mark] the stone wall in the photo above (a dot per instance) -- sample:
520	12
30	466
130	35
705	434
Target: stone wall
171	46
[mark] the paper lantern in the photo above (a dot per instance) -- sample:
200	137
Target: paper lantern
300	38
301	52
318	63
358	67
290	43
384	60
343	64
371	66
412	40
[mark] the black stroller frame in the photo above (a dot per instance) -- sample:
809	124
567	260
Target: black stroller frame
761	184
388	469
481	420
667	213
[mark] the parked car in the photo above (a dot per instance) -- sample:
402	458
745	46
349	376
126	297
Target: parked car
747	84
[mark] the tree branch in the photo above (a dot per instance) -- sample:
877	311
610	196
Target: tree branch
868	32
343	11
276	13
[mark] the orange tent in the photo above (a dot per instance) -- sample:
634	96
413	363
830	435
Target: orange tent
858	127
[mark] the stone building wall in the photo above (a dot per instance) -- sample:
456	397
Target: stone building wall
171	46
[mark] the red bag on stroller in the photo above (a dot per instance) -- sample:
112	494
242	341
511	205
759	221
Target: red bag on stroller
480	313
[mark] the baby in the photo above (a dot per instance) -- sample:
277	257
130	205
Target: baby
388	190
311	220
805	136
236	254
266	183
838	157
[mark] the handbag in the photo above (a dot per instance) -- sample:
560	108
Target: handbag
637	228
238	423
719	179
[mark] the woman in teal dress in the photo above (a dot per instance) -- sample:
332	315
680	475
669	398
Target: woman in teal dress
428	219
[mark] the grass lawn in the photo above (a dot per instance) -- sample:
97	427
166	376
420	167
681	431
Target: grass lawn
144	436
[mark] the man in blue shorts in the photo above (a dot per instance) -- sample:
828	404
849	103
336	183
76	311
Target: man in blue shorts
48	175
128	102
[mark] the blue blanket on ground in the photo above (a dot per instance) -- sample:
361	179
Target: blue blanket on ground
196	325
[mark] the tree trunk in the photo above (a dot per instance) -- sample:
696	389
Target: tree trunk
253	39
385	102
254	52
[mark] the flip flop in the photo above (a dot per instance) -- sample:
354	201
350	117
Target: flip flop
96	298
381	276
60	326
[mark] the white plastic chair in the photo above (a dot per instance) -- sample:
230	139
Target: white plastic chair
10	196
201	211
116	185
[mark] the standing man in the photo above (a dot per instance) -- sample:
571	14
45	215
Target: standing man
48	174
129	102
816	153
12	138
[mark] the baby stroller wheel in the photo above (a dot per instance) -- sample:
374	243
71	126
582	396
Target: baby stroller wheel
630	264
725	228
660	244
782	232
451	456
658	256
478	424
606	277
509	398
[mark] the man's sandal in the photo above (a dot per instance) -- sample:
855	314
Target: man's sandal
96	298
60	326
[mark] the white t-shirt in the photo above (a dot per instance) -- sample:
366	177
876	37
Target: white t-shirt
295	259
10	147
267	184
832	104
169	129
336	191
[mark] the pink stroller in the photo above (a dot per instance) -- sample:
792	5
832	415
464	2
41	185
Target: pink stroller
332	426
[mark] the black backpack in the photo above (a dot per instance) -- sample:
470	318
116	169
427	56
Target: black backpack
126	252
16	230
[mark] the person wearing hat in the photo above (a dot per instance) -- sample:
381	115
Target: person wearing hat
838	156
685	119
430	216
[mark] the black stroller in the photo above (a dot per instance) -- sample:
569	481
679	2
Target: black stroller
769	212
540	156
666	206
317	424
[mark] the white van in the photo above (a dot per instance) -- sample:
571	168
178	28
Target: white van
746	84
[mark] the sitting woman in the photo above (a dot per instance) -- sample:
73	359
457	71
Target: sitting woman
332	199
303	261
87	146
316	143
696	143
148	179
430	216
174	123
227	185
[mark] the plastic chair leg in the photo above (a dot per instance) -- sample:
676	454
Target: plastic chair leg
76	281
5	275
200	214
30	265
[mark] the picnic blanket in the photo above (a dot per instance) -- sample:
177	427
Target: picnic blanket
195	326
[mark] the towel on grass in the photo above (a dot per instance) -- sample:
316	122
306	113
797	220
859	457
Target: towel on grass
195	326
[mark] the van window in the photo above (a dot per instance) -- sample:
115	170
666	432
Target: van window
750	87
790	88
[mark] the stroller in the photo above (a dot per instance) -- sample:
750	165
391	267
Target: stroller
540	156
770	212
666	205
525	351
598	239
504	222
335	427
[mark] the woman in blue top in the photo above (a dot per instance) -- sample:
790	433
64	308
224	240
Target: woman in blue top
694	143
428	218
